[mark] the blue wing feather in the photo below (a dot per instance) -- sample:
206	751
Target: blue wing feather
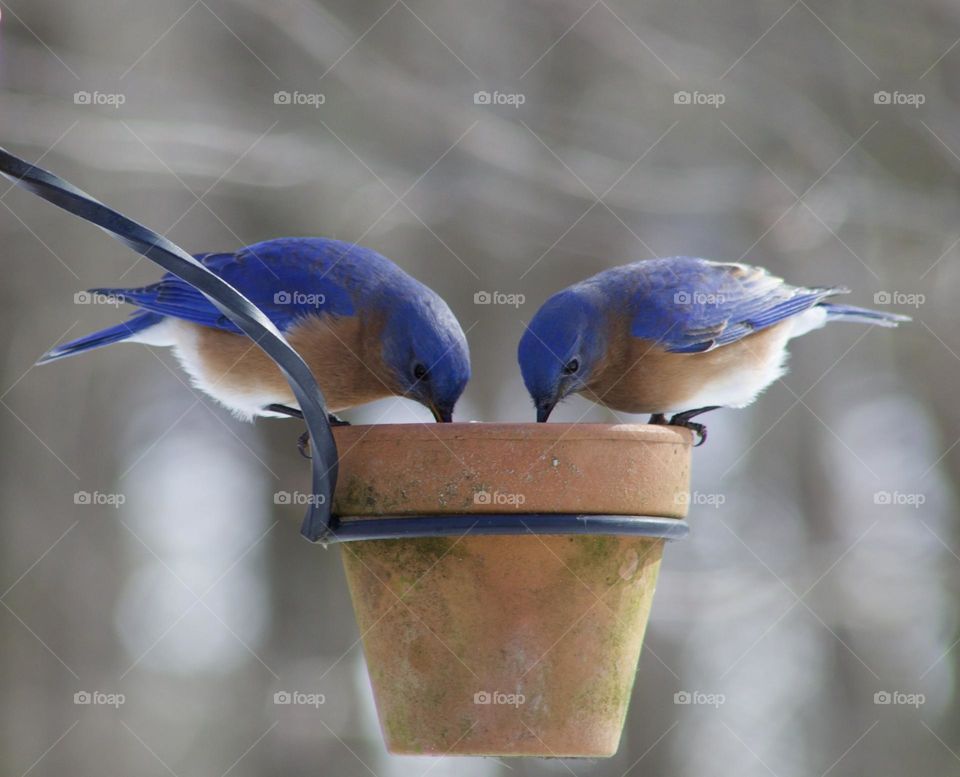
693	305
287	278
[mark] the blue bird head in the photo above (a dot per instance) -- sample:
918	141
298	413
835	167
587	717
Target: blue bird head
561	348
426	350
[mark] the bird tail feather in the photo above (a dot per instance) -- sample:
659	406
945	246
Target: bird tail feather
114	334
863	315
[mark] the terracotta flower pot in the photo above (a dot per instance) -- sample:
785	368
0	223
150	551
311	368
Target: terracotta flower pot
522	644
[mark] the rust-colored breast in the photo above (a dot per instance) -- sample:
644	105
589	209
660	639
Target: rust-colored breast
342	352
640	376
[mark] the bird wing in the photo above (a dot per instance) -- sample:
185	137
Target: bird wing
694	305
287	279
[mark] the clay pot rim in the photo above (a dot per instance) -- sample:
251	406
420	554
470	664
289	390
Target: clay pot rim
553	432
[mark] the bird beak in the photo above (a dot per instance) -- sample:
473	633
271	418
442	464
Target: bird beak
442	415
544	409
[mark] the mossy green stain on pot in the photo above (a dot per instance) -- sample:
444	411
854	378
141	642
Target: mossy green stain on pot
415	557
472	625
596	564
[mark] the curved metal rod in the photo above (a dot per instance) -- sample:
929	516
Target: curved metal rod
346	529
247	316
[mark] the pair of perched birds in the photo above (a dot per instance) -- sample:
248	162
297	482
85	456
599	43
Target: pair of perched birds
670	337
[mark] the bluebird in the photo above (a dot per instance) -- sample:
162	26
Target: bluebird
676	336
366	329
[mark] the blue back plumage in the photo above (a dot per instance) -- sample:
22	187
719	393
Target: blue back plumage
287	279
691	305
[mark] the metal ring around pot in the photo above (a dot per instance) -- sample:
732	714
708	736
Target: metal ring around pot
352	529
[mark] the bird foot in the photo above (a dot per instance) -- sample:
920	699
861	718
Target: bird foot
659	419
303	441
683	420
698	429
303	445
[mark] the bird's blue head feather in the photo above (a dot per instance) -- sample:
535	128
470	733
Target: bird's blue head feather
426	350
562	347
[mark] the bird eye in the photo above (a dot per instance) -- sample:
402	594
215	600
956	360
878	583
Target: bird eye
420	372
571	367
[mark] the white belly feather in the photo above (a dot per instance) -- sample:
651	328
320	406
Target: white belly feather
740	387
182	337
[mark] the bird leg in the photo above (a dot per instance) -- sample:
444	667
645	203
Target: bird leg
657	419
303	441
683	419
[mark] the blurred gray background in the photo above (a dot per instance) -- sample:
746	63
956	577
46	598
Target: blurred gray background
818	139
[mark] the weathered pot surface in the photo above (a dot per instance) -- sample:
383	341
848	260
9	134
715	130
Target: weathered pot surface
404	469
511	644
